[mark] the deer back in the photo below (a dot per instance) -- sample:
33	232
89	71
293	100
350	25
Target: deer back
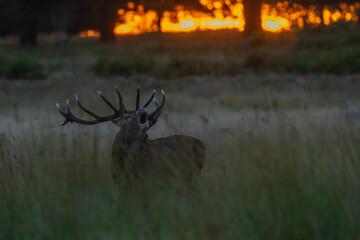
177	156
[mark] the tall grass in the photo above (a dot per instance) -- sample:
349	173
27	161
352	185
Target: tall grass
282	149
277	172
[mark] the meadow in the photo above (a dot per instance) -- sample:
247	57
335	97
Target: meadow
283	156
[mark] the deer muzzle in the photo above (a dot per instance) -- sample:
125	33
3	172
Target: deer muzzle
143	119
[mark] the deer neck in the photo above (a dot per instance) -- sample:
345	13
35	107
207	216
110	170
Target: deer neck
129	154
133	142
127	149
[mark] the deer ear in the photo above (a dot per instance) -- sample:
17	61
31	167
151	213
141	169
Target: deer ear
117	122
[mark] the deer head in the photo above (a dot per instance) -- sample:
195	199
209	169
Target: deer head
133	124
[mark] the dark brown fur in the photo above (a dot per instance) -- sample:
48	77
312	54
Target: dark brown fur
176	156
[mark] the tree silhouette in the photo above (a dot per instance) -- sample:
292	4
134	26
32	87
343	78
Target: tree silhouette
108	16
160	6
252	12
28	22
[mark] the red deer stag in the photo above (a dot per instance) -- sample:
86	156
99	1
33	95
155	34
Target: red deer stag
133	154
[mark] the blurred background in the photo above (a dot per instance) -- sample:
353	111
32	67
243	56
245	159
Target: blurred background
271	88
107	19
221	38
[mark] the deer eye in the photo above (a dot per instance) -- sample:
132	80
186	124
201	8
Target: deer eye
127	117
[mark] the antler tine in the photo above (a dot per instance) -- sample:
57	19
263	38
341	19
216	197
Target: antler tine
70	117
62	113
155	115
137	98
150	99
68	106
108	103
156	102
121	104
158	109
84	109
154	119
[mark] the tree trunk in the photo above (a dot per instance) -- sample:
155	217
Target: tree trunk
252	11
28	22
320	8
108	20
358	15
160	14
161	6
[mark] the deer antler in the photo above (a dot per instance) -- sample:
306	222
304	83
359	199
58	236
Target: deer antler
153	117
70	117
138	99
118	112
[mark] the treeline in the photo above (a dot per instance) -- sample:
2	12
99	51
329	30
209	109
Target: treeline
68	17
29	17
252	10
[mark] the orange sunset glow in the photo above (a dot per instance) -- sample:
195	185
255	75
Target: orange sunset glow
279	17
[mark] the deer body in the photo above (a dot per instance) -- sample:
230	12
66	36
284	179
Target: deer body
134	155
175	156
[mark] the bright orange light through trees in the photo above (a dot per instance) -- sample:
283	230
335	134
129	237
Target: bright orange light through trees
90	33
282	16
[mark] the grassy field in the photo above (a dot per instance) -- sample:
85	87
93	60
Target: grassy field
283	156
333	50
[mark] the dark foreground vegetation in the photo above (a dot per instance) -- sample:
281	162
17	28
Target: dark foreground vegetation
289	182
